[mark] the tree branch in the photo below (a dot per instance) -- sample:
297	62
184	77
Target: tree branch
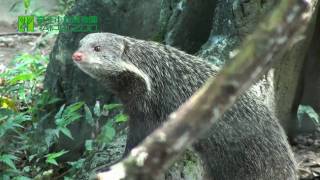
21	34
266	45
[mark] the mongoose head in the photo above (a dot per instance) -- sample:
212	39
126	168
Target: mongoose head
102	56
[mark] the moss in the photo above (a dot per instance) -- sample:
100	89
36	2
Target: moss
159	36
192	165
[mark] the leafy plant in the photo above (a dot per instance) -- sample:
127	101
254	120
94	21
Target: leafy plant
121	118
308	111
65	5
51	157
26	4
8	160
23	80
12	122
18	106
107	132
24	103
66	116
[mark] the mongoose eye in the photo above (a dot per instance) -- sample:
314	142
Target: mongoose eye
97	48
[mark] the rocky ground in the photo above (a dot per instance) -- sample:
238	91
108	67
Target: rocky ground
306	148
307	153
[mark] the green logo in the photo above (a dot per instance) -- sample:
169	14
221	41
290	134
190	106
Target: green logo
58	23
26	23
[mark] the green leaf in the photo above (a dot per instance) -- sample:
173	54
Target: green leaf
121	118
97	109
26	4
52	161
66	132
22	93
89	145
110	107
53	100
59	113
21	178
56	155
88	115
59	122
3	118
5	177
77	164
51	158
309	111
26	169
30	158
67	115
107	134
22	77
50	135
71	118
8	160
74	107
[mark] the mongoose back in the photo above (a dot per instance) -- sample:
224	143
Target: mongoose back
153	80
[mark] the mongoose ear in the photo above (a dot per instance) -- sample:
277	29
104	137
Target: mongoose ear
137	73
131	68
125	46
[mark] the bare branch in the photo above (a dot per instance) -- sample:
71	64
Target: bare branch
21	34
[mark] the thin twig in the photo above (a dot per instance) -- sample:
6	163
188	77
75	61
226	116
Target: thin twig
21	34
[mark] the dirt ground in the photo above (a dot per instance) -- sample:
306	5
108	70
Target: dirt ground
11	46
307	153
306	148
13	43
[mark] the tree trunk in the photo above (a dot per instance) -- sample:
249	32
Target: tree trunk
281	86
288	84
311	79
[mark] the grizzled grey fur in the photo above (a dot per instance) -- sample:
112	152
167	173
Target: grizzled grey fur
153	80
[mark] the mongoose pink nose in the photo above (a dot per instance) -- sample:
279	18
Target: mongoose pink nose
77	56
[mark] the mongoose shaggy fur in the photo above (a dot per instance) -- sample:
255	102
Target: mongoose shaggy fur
152	80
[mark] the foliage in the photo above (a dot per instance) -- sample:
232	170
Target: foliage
22	81
65	5
24	105
26	4
8	160
107	132
18	91
29	7
66	116
51	157
308	111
